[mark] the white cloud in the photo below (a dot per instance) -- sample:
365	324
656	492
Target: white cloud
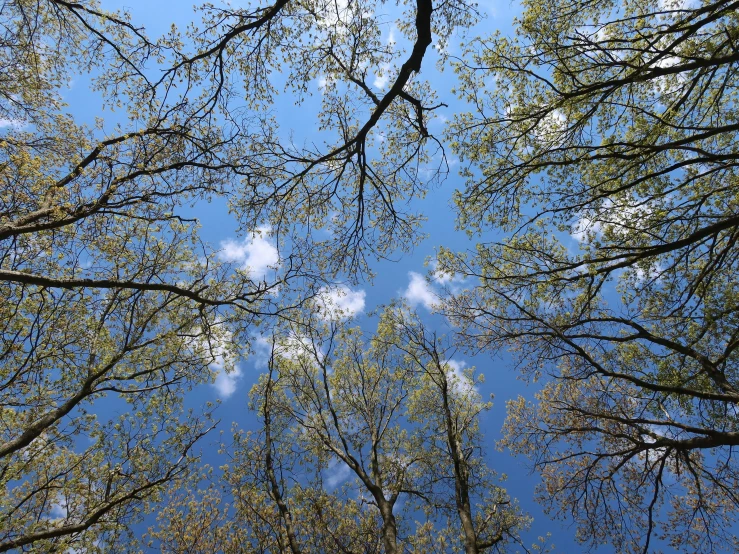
678	4
653	273
59	510
442	278
669	84
584	227
227	373
445	278
382	76
667	62
334	12
549	129
256	253
336	473
287	346
63	513
225	383
339	302
653	454
261	350
14	123
616	218
461	383
294	346
622	219
419	291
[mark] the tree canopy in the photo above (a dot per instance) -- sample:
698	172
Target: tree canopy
614	125
597	151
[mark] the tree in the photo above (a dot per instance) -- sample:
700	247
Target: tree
101	296
447	406
348	404
401	423
392	410
615	124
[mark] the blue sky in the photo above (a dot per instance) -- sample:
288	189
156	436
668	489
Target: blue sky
404	276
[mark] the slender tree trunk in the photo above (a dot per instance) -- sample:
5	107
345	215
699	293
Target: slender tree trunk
275	492
461	475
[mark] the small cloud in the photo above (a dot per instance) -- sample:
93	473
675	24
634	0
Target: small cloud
443	277
441	47
419	291
653	273
59	510
14	123
382	76
227	373
586	227
256	253
335	12
226	380
653	454
336	473
678	4
460	382
550	128
339	302
620	219
262	350
225	383
294	346
287	347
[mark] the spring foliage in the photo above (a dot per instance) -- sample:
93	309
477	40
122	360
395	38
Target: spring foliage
599	142
606	147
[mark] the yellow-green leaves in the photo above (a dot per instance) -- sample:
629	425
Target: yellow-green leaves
604	145
364	434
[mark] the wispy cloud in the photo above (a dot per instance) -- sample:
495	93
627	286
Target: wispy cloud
585	228
459	381
225	383
14	123
336	473
383	75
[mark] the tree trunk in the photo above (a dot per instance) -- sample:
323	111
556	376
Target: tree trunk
389	528
461	474
470	538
